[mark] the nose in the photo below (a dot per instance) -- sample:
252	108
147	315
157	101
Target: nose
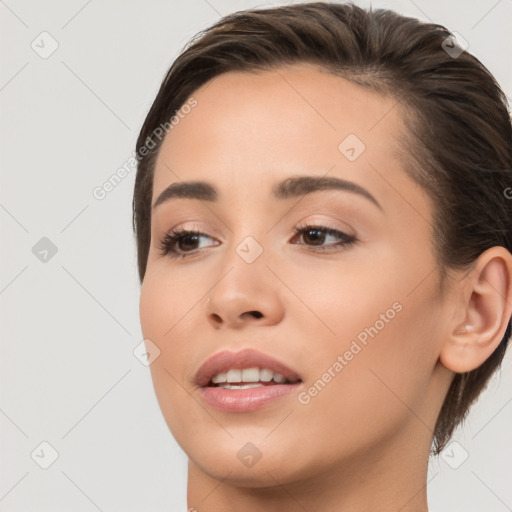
246	295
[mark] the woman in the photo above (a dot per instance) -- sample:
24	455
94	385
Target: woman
324	247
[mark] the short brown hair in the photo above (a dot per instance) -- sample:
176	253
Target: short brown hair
456	113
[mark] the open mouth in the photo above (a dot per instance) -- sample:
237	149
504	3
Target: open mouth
245	369
244	381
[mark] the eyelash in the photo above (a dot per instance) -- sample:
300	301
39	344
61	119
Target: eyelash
168	244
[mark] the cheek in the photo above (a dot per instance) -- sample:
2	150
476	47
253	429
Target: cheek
338	304
379	384
372	347
168	311
166	301
383	381
168	318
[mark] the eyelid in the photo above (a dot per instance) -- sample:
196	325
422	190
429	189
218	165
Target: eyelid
326	223
194	226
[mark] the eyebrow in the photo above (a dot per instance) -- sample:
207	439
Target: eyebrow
289	188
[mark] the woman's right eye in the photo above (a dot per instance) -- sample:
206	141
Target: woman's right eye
179	243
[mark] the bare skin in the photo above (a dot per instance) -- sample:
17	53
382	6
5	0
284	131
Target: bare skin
362	442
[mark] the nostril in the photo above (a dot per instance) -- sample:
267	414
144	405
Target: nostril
256	314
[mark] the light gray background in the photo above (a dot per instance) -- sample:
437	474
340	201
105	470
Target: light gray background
68	375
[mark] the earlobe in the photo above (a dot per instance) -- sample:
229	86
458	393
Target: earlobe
487	308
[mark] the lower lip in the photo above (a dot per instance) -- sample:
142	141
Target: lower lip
245	400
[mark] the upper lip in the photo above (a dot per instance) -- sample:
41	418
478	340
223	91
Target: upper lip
225	360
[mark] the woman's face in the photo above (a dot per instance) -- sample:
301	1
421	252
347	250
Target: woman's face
355	311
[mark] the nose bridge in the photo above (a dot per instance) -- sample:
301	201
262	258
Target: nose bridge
247	247
246	290
243	268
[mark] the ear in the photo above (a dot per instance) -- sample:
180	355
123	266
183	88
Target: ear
486	308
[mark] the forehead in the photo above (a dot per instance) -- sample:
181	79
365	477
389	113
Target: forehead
251	127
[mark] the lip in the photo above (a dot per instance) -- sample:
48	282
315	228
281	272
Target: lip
248	358
246	400
243	400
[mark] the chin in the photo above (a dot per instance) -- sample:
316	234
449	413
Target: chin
227	468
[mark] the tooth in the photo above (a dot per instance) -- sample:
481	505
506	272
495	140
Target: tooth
279	378
250	375
234	376
221	377
266	375
241	386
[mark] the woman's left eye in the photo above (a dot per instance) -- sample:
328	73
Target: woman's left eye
323	237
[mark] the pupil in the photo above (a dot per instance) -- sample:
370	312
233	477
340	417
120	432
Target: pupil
192	239
315	236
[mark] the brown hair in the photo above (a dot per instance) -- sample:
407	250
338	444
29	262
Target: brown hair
456	114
